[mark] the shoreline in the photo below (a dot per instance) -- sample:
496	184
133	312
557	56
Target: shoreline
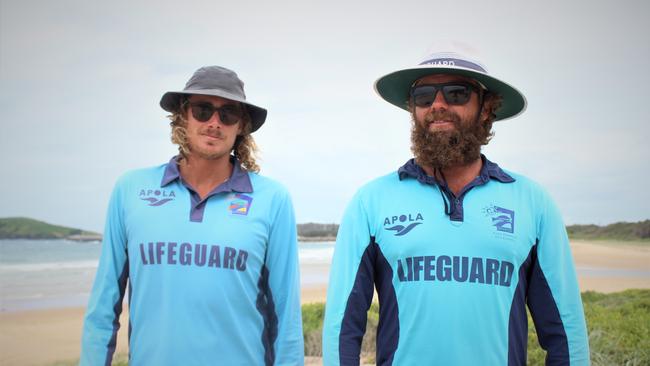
56	333
611	255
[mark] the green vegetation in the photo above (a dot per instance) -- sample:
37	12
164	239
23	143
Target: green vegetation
626	231
311	230
621	231
24	228
618	326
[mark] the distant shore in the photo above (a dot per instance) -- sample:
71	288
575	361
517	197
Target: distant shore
30	229
56	333
311	239
98	237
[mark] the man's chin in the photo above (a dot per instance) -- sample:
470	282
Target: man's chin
208	155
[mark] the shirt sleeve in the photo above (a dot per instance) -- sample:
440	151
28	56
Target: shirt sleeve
101	322
554	295
350	288
284	285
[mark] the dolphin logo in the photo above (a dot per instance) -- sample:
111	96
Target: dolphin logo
401	230
155	202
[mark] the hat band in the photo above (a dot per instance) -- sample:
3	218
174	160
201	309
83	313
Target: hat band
454	62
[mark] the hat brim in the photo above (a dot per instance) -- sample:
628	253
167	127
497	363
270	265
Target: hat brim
395	87
170	102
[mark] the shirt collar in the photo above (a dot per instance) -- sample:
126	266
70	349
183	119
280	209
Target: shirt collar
489	170
239	181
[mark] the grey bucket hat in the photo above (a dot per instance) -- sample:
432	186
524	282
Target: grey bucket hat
395	87
217	81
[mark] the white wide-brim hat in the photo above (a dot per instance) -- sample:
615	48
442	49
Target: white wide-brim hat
395	87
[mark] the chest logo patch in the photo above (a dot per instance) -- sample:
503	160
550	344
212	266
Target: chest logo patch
156	197
502	218
402	224
240	205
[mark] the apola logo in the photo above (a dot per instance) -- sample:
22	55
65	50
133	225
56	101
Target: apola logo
401	229
156	197
502	218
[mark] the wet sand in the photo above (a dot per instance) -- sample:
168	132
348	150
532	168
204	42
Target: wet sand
44	337
614	256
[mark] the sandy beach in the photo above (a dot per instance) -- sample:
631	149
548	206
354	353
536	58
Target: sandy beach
614	256
45	337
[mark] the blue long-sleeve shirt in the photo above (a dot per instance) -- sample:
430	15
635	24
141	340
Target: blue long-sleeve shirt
211	282
454	274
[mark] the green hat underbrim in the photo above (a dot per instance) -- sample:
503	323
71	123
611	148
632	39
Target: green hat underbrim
395	87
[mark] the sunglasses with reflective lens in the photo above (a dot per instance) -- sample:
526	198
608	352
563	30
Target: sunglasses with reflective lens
229	114
455	93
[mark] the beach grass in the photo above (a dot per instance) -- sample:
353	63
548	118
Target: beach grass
618	325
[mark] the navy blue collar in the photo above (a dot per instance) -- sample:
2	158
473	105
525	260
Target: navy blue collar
489	170
239	181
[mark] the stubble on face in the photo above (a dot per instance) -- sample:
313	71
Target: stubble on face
207	154
206	141
443	149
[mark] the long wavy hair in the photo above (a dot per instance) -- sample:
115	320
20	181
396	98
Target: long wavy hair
244	148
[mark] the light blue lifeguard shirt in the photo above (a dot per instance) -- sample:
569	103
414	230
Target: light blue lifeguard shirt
454	273
211	281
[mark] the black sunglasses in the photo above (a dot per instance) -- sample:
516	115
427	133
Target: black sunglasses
455	93
229	114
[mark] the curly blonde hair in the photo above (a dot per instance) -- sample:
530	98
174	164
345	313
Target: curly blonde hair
244	148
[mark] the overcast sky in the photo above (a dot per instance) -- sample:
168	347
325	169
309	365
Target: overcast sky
80	83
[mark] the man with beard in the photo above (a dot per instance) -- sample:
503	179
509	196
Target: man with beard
454	245
208	247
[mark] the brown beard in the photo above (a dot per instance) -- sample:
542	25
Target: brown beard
443	149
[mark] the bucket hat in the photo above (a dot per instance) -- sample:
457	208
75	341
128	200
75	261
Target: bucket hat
216	81
395	86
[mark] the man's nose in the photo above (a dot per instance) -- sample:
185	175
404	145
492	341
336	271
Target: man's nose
215	120
439	101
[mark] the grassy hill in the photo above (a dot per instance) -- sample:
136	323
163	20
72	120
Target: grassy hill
25	228
618	231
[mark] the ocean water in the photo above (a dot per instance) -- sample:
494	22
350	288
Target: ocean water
40	274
